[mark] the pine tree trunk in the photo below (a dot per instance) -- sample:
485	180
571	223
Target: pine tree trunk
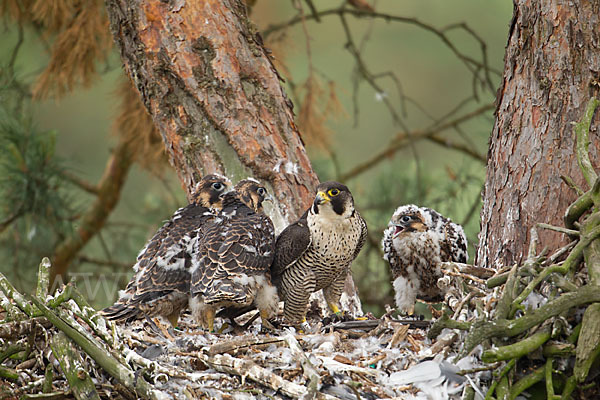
552	68
209	84
211	89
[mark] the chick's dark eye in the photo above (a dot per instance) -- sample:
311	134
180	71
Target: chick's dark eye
218	186
405	218
334	192
262	191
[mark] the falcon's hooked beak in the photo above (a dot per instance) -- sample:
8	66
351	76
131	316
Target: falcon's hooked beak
321	198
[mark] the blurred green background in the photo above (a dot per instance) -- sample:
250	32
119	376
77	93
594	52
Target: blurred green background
434	82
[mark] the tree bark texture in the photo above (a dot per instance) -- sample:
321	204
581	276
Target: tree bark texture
552	68
209	84
214	94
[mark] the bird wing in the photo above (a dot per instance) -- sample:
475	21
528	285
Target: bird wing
231	253
363	235
163	265
291	244
457	240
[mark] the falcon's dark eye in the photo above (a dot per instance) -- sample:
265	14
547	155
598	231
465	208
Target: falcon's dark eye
405	219
333	192
262	191
218	186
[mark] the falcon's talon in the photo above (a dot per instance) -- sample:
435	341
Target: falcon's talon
340	316
223	327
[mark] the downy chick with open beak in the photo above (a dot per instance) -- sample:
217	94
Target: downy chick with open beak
416	241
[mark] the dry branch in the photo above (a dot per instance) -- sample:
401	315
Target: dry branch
248	369
111	365
243	343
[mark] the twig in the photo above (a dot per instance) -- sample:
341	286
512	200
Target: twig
582	131
18	298
479	272
373	323
471	64
498	378
581	205
518	349
8	373
249	369
569	264
445	322
463	372
119	371
570	232
588	344
310	372
445	142
243	343
526	382
481	330
366	74
79	182
508	294
13	312
16	48
41	291
403	139
79	380
571	183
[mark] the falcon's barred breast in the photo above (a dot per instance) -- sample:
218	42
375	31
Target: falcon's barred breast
234	257
161	282
416	241
316	251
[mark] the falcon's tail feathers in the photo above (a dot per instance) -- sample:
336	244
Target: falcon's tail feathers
121	312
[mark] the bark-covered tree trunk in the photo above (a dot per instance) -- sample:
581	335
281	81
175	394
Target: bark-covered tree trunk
552	68
215	96
209	84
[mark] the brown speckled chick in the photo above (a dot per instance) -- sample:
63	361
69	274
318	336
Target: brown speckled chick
234	257
161	282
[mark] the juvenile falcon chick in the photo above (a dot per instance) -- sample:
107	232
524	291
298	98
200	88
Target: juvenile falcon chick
416	241
235	254
316	251
161	282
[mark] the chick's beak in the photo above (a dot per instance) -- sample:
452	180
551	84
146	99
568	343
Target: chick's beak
321	198
398	229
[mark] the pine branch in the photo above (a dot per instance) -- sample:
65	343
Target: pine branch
109	191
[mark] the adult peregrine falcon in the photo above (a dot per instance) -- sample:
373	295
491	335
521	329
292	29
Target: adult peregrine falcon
316	251
161	283
234	257
416	241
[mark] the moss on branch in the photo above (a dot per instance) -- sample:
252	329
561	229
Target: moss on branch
517	349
